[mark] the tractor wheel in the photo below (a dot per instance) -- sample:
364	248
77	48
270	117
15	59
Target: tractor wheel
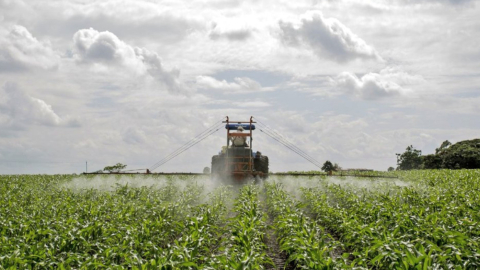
261	164
214	168
217	164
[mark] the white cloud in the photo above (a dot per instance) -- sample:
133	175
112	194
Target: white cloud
95	80
389	82
20	50
252	104
239	85
105	48
337	138
369	86
397	75
21	108
142	21
226	31
327	37
134	136
435	2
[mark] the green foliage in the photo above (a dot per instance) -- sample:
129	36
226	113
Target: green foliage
409	160
305	243
461	155
430	221
328	166
115	168
442	147
391	169
427	220
45	225
432	162
245	248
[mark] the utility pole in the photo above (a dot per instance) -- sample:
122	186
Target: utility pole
86	166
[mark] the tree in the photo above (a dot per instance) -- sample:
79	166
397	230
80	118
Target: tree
461	155
443	146
391	169
432	161
115	168
206	170
411	159
328	167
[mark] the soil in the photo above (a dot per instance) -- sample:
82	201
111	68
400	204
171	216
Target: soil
336	252
274	252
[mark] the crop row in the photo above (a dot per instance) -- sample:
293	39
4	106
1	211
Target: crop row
305	243
433	223
200	238
43	225
245	247
429	220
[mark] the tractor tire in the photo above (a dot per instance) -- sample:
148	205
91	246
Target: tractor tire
218	163
261	164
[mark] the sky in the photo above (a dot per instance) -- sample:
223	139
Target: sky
354	82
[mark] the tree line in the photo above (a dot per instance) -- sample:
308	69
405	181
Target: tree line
461	155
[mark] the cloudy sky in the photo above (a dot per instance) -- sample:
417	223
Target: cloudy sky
131	81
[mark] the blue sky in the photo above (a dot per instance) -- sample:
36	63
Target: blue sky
353	82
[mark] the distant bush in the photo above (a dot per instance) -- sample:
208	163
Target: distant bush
115	168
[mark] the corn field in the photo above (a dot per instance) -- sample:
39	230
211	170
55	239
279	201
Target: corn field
422	220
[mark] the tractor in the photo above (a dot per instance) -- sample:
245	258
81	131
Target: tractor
237	161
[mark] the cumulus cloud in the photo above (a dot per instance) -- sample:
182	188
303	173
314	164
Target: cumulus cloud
369	86
18	107
239	85
134	136
146	21
327	37
451	2
389	82
253	104
94	47
329	136
229	33
20	50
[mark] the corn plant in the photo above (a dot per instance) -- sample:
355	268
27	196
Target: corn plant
245	247
430	220
45	225
433	223
201	236
305	243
